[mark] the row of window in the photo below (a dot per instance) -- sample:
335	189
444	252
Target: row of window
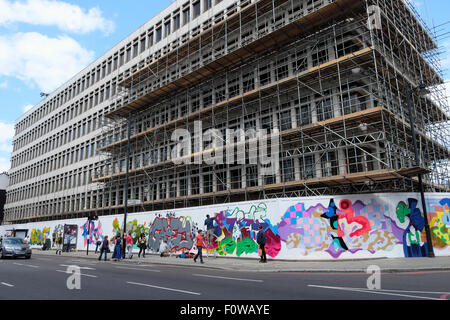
209	179
130	51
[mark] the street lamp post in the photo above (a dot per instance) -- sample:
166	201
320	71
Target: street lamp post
419	175
126	183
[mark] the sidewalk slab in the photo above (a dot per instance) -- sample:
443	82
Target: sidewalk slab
251	265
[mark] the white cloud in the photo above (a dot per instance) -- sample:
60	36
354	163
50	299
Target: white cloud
7	132
5	165
6	136
65	16
3	84
40	60
27	108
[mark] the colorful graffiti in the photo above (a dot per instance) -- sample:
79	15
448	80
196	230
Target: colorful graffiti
177	231
236	232
440	224
95	234
349	227
360	227
38	237
413	246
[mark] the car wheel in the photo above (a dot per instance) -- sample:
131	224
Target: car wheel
27	257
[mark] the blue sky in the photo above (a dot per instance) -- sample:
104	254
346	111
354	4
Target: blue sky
64	36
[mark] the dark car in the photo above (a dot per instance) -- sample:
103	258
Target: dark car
14	247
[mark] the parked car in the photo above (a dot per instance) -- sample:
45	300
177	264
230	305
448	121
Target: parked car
14	247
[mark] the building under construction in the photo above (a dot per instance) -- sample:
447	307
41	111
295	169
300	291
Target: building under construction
331	82
331	77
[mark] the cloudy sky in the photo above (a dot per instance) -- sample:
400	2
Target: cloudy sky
43	43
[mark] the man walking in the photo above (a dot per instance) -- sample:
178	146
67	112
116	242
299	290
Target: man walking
104	248
129	242
199	243
261	240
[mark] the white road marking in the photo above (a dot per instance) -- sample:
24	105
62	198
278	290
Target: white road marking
7	284
82	268
25	265
163	288
226	278
81	274
373	291
140	269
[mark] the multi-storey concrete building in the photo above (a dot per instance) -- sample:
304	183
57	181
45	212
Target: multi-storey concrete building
4	181
329	81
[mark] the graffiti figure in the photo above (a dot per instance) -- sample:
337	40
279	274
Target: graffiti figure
440	225
413	246
332	215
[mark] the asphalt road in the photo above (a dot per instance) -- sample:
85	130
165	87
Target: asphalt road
46	278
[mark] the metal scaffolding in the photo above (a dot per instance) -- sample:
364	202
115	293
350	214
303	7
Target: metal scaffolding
325	79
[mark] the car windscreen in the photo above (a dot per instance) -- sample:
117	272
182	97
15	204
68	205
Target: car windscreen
13	241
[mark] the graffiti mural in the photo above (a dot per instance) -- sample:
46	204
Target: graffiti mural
236	231
338	227
38	236
349	227
440	224
413	246
96	233
177	231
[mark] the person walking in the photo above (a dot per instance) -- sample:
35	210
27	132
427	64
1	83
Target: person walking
199	243
117	254
104	248
261	240
142	245
129	242
59	244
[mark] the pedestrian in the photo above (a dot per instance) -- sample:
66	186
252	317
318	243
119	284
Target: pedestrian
142	242
104	248
261	240
129	242
59	244
199	243
163	249
117	255
209	223
97	245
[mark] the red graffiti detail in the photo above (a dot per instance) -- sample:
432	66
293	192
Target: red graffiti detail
273	244
349	214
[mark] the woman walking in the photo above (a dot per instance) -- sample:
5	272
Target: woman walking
59	243
117	254
142	245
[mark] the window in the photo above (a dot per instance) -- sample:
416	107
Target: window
251	176
330	164
285	120
196	9
325	109
167	29
288	170
303	112
176	22
186	16
264	75
308	167
158	35
208	4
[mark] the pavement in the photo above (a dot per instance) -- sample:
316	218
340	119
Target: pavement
386	265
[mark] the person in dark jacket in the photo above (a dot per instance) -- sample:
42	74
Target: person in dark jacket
261	240
104	248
